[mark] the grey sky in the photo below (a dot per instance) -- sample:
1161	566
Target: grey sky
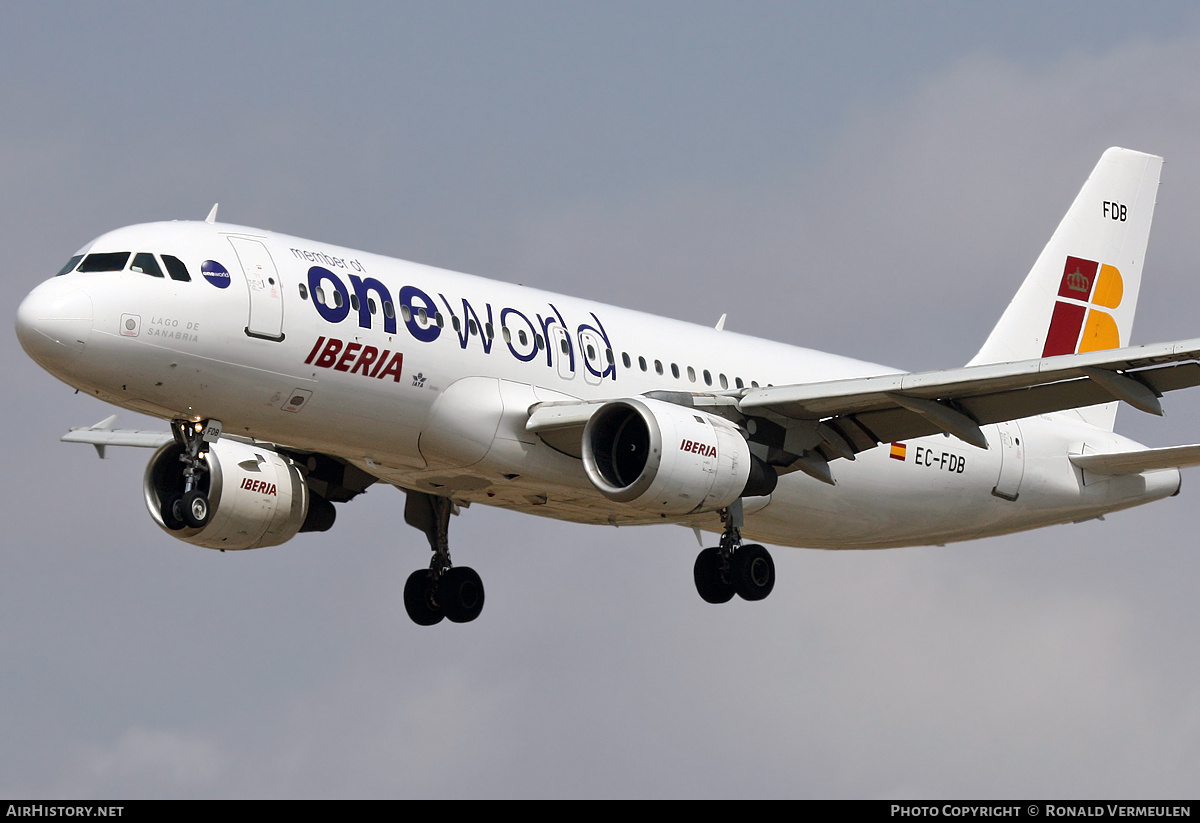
869	179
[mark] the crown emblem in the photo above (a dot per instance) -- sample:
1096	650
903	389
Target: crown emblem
1078	281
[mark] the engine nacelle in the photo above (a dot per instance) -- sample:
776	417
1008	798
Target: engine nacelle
668	459
256	496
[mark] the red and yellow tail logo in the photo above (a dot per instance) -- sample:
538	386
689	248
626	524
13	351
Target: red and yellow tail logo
1083	294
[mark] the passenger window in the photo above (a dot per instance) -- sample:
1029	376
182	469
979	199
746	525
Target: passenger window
303	290
658	366
737	381
405	312
707	378
521	336
642	362
106	261
474	329
625	359
691	374
371	305
178	270
564	345
319	295
71	264
388	309
675	370
337	299
724	382
354	302
539	342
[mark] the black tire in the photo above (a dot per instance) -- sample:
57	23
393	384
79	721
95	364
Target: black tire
196	510
418	599
753	572
460	594
709	583
172	512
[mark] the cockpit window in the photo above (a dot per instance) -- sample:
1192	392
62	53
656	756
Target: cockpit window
144	263
105	261
175	268
71	264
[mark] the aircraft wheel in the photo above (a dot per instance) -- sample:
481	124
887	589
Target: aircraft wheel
753	572
707	573
172	512
195	509
418	599
460	594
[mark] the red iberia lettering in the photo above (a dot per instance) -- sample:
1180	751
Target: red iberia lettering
329	354
356	358
260	486
313	353
702	449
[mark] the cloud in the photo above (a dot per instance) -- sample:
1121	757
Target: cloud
1053	663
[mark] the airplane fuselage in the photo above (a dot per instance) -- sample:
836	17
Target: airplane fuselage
424	378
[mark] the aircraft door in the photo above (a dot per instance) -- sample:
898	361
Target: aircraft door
563	351
266	291
593	357
1012	461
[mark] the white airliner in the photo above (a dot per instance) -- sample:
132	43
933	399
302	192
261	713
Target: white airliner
295	374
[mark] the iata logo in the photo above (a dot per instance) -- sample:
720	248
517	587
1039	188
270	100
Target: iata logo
260	486
215	273
1082	320
702	449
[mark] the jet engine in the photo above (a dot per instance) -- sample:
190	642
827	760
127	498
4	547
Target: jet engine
668	459
256	496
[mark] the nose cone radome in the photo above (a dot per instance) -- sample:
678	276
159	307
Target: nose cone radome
53	323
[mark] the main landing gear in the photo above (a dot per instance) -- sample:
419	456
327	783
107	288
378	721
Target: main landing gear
731	568
442	590
189	507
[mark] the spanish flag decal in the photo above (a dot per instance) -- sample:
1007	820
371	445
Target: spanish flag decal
899	450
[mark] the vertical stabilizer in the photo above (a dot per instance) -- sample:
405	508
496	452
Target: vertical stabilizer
1081	294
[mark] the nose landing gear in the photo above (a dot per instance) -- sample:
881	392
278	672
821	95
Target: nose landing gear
189	508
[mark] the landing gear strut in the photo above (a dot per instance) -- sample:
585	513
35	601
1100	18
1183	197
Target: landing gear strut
731	568
442	590
189	508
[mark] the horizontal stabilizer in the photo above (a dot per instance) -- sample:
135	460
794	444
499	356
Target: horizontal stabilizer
1136	462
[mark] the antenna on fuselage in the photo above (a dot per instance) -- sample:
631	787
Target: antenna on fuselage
721	324
212	215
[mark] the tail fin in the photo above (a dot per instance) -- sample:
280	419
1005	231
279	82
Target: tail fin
1081	293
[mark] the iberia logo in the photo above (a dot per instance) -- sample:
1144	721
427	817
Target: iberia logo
1080	323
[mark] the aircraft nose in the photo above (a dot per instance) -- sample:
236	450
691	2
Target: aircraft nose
54	322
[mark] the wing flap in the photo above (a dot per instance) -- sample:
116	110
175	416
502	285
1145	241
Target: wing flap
892	407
